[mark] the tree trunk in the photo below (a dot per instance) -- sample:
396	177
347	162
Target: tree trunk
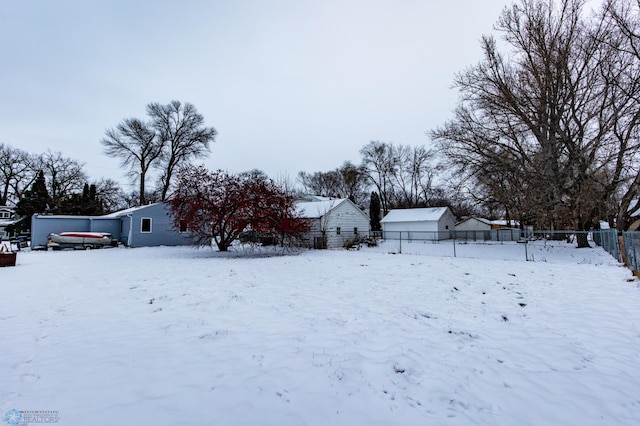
143	201
581	238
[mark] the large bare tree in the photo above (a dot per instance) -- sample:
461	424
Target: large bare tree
136	144
621	19
181	130
545	119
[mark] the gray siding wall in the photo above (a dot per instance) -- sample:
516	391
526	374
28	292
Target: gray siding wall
125	223
162	231
41	226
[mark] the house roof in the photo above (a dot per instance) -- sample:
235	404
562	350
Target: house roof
7	222
69	216
504	222
309	198
128	211
428	214
317	209
479	219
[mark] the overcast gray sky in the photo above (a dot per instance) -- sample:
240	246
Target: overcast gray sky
290	85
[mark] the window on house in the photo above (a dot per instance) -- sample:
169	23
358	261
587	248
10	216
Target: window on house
145	225
355	231
338	230
184	227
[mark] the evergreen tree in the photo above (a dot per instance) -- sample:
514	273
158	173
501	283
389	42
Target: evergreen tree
87	203
35	200
374	212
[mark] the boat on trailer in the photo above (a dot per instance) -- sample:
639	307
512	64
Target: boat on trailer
81	240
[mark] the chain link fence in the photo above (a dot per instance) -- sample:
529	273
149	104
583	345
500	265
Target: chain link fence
605	246
622	245
608	240
631	247
498	244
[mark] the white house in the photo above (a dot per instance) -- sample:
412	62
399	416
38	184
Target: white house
333	222
433	223
7	218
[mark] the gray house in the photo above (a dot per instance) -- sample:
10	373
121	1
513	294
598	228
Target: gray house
144	226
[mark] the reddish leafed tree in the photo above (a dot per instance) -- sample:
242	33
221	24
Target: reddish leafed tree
219	206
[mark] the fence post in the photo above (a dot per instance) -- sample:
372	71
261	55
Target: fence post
623	250
454	243
526	252
400	251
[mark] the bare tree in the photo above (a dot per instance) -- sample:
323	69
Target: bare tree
348	181
402	174
412	178
621	31
110	195
17	173
64	176
325	184
288	184
136	144
354	184
181	131
379	164
540	124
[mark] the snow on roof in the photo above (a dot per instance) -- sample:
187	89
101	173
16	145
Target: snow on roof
415	215
309	198
67	216
504	222
316	209
127	211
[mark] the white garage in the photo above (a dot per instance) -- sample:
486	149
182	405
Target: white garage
432	223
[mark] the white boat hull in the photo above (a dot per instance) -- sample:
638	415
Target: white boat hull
81	238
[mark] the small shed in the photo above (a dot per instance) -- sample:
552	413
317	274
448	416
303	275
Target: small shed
474	224
334	222
480	229
144	226
432	223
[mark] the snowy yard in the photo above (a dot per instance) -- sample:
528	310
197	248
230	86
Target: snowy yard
175	336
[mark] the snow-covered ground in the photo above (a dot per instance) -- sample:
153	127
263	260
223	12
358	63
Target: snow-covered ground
177	336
